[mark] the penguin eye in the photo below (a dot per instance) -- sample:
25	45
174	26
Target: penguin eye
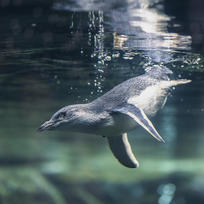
61	115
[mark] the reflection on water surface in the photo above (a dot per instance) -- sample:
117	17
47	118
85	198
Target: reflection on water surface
74	52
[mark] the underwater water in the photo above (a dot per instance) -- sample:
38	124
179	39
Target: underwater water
58	53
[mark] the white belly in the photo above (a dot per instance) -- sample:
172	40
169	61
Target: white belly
150	100
120	123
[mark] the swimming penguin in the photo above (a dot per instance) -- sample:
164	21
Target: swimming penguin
120	110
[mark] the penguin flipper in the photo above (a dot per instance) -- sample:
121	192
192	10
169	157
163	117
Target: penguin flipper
121	149
140	117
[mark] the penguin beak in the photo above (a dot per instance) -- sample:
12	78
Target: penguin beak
46	126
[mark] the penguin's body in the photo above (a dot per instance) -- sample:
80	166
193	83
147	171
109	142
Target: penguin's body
120	110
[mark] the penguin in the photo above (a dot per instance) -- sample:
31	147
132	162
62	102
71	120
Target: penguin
120	110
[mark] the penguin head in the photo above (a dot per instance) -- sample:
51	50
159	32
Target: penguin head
68	115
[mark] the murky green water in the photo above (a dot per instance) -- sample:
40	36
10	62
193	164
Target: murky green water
71	53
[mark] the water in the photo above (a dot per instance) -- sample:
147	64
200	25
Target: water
73	52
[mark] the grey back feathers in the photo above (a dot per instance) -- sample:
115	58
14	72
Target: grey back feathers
121	109
132	87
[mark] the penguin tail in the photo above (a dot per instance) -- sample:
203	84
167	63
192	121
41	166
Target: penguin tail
168	84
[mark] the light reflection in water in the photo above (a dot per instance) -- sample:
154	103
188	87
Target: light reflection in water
142	27
139	24
166	192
